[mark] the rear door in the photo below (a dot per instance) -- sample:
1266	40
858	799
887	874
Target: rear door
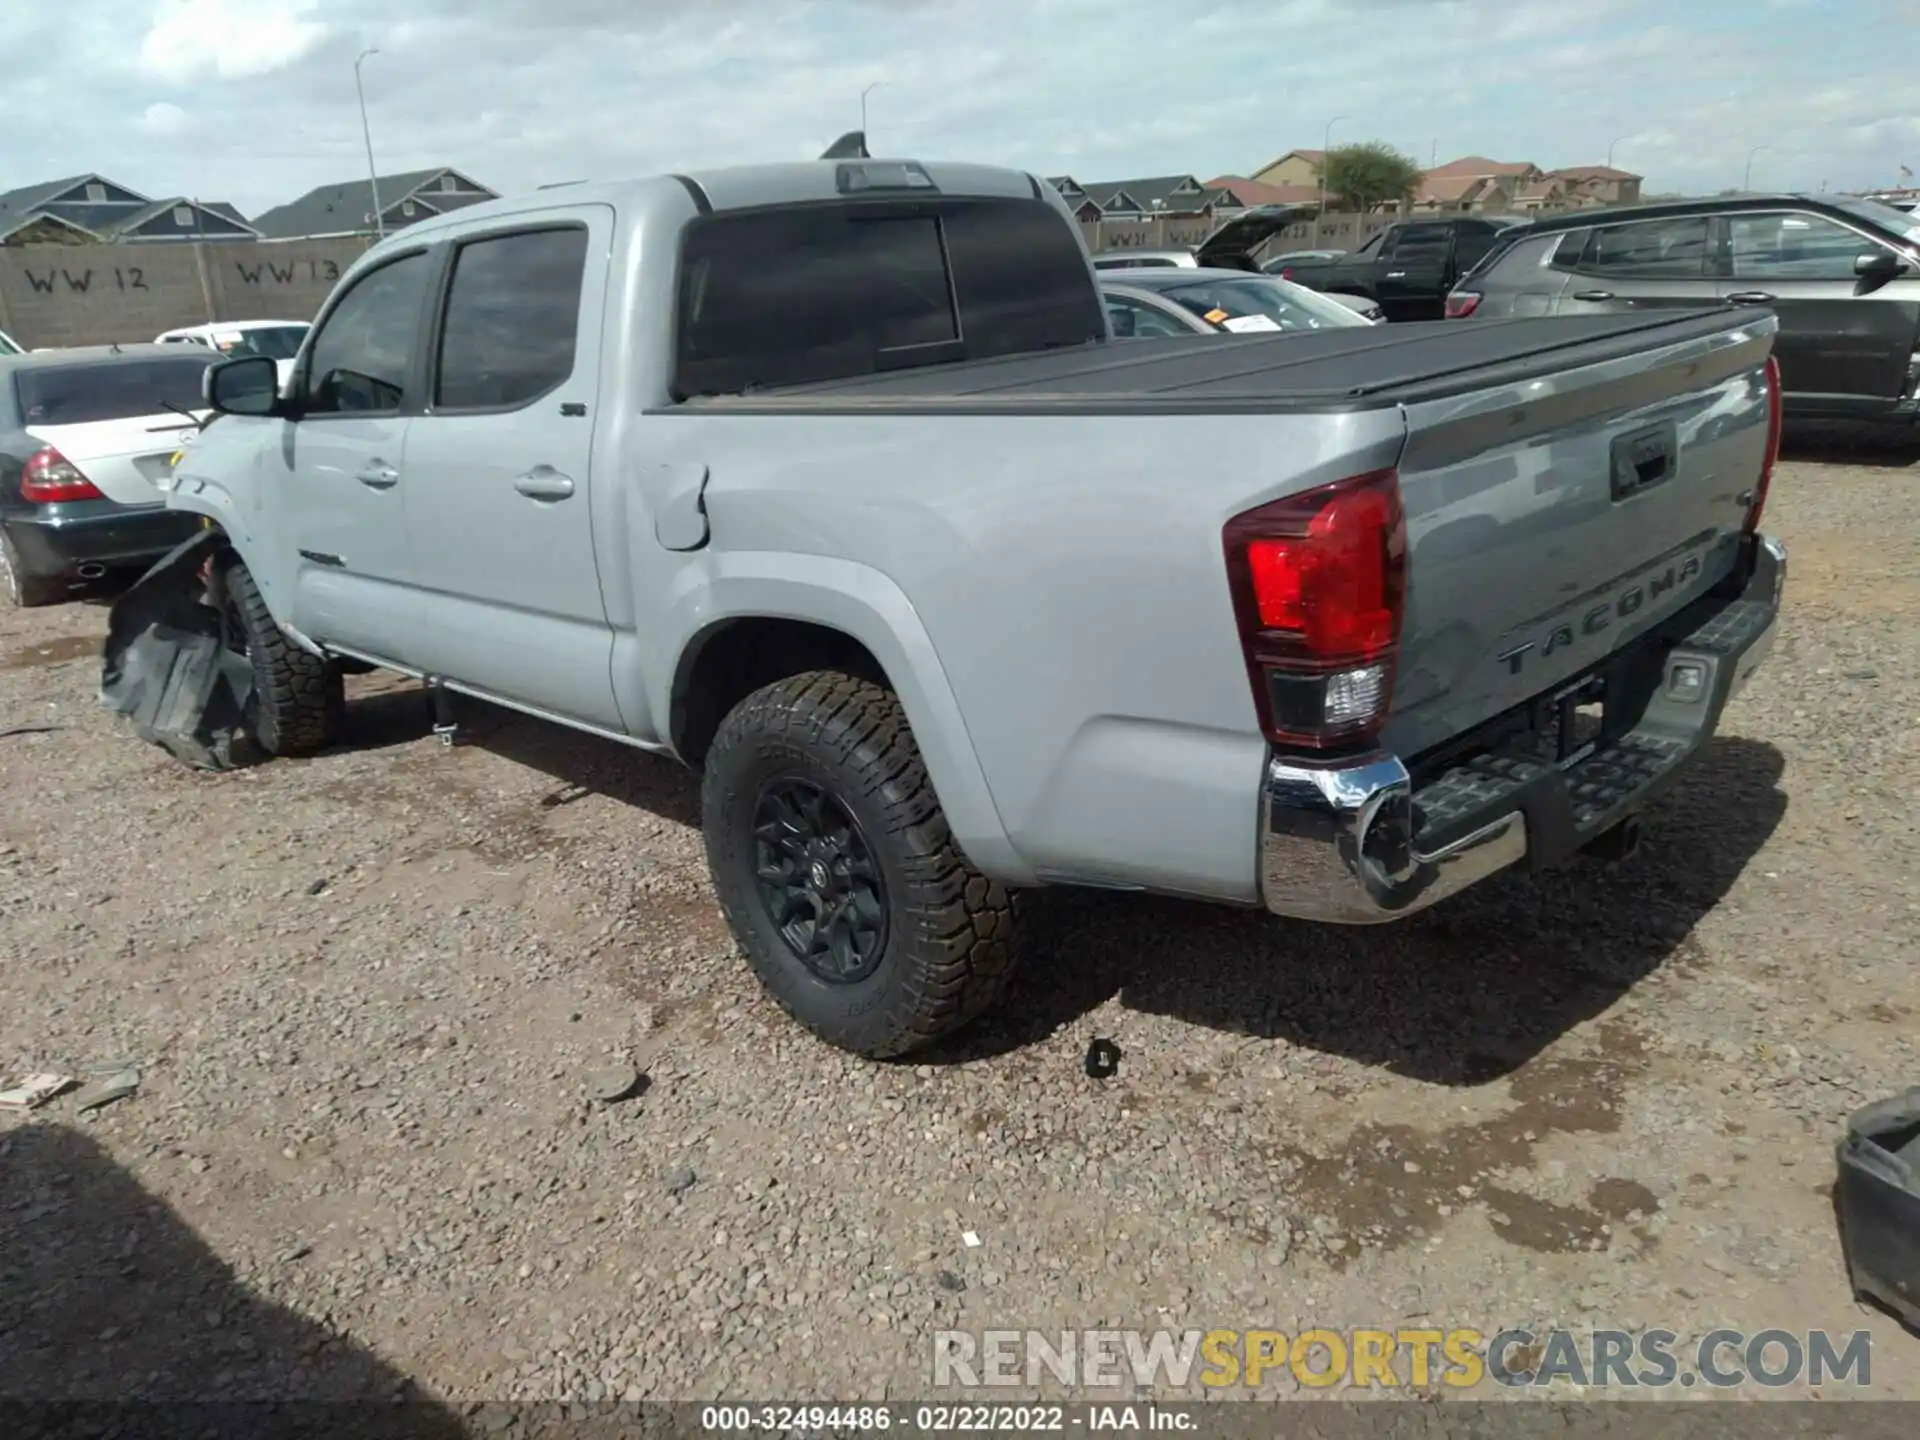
117	420
1412	283
1655	264
499	513
1845	344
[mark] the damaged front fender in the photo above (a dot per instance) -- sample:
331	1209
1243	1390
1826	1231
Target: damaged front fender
166	665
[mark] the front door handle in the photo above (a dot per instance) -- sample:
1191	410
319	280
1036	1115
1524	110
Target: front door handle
1750	297
1396	274
1593	295
544	483
379	476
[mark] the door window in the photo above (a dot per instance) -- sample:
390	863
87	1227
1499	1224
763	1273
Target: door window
512	319
363	355
1653	249
1793	246
1140	322
1420	244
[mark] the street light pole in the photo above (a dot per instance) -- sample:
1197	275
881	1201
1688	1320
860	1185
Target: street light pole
863	104
1747	182
1326	144
373	176
1612	145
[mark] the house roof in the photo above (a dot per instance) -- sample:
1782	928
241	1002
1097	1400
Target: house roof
13	222
1594	172
1253	192
1481	165
346	208
1144	193
1444	189
1312	157
28	199
226	212
1539	190
134	219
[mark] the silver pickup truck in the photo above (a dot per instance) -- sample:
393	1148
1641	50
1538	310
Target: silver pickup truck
827	480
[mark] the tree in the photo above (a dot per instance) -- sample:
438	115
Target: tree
1359	177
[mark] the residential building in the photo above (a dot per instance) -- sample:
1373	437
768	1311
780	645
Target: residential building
1254	192
1163	195
1296	167
347	209
1598	185
1485	194
93	210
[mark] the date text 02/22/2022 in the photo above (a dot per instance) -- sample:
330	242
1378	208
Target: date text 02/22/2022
959	1419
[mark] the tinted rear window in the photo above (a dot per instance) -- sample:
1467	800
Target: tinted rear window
831	292
111	390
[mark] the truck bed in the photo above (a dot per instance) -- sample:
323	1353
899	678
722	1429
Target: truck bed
1376	367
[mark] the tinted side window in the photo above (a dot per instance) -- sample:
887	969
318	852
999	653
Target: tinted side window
1420	242
361	357
1799	246
1020	276
1138	322
1654	249
813	293
1472	243
1566	255
513	313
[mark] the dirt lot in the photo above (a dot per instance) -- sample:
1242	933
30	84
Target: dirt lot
369	995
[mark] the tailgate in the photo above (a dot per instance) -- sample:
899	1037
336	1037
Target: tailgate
1557	515
126	459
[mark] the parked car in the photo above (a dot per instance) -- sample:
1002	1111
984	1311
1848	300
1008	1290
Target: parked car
1280	264
85	439
1843	275
1409	267
1229	246
829	480
278	340
1156	303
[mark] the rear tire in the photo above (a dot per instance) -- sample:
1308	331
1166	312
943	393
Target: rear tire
24	591
824	834
299	702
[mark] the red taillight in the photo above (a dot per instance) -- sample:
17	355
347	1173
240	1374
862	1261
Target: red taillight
1286	272
1462	303
1774	419
50	478
1319	586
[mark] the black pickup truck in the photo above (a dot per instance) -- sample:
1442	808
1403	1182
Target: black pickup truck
1408	267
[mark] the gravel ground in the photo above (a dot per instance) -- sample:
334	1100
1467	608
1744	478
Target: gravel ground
372	997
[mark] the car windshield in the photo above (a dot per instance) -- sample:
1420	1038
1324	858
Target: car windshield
276	342
1884	217
110	390
1254	302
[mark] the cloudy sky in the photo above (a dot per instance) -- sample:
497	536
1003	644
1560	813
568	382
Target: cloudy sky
252	101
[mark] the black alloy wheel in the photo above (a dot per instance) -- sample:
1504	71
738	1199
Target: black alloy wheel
819	882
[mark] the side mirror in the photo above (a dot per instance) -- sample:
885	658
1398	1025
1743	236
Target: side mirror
1877	265
248	385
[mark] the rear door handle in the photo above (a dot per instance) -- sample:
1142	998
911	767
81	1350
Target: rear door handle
544	483
1750	297
379	476
1396	274
1593	295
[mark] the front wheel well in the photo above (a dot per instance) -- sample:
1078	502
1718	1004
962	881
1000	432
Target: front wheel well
736	657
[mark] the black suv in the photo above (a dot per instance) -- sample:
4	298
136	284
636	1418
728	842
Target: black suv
1842	274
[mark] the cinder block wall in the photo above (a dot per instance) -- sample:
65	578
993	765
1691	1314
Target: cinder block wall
102	294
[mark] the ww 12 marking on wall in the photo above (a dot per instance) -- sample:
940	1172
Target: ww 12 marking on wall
288	274
131	278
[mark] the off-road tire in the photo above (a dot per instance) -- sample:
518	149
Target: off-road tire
299	701
949	946
24	591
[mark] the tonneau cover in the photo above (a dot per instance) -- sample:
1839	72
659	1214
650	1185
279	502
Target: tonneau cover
1357	368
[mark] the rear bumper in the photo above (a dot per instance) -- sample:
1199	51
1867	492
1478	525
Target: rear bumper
58	542
1364	842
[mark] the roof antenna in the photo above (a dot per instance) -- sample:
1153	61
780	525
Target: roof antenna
850	146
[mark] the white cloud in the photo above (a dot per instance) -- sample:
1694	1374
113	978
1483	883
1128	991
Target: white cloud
231	39
163	120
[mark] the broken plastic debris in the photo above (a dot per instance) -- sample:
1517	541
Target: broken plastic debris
34	1091
970	1240
106	1087
1879	1203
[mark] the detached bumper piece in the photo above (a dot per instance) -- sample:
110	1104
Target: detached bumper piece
1879	1204
167	667
1372	840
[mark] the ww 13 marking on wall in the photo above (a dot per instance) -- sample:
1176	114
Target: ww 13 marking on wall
130	278
327	270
